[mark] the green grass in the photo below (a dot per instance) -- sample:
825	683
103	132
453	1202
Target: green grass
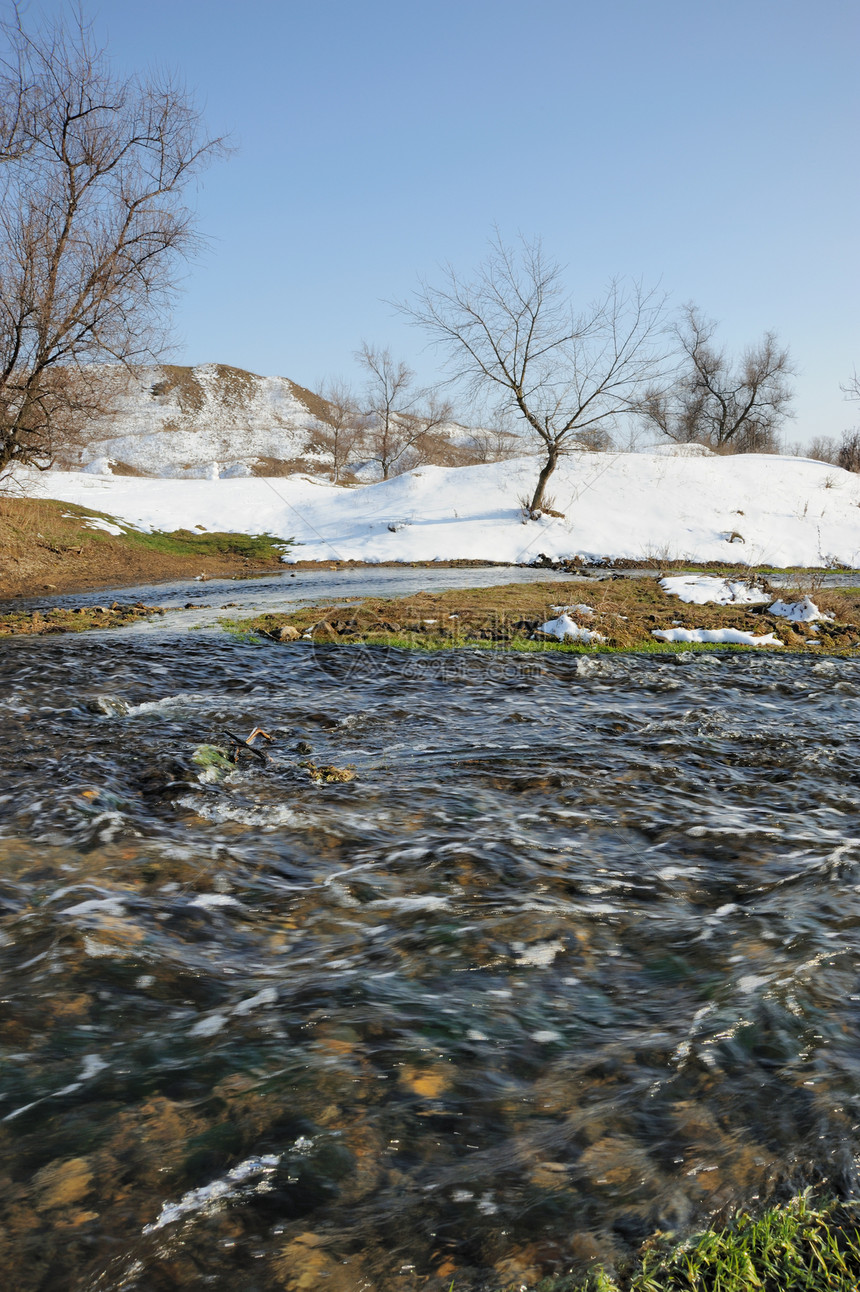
236	629
801	1246
183	542
795	1246
186	542
177	542
244	630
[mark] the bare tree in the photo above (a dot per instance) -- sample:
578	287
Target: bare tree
344	426
738	406
493	443
843	453
823	448
401	416
849	450
93	168
851	389
513	331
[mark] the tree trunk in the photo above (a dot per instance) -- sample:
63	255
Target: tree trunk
549	466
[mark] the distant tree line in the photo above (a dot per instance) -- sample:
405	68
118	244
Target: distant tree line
845	452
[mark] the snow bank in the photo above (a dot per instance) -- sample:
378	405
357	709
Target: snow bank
789	511
734	635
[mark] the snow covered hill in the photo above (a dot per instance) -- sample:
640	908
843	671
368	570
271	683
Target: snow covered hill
201	423
748	509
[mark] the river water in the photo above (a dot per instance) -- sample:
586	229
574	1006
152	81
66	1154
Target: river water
573	957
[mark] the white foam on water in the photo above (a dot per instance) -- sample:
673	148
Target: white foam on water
211	1196
539	954
268	996
220	811
411	903
208	1026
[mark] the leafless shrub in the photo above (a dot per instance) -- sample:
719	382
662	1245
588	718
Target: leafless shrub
492	444
848	456
823	448
343	428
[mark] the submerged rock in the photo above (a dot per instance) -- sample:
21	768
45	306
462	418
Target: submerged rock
328	774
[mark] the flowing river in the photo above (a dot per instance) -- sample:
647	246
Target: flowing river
574	957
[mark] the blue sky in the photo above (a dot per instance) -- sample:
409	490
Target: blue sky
708	144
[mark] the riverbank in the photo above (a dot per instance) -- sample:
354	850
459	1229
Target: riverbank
50	546
79	619
47	546
616	614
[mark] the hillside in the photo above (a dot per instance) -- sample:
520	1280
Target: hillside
216	422
201	423
663	506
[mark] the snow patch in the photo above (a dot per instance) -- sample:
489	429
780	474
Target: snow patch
707	589
566	630
804	611
573	610
733	635
109	527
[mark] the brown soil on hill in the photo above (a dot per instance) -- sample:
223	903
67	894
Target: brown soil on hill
47	572
43	551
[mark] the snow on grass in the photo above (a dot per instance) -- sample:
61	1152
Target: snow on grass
804	611
579	609
706	589
566	630
733	635
617	505
95	522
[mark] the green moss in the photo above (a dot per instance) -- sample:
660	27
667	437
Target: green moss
236	629
215	759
